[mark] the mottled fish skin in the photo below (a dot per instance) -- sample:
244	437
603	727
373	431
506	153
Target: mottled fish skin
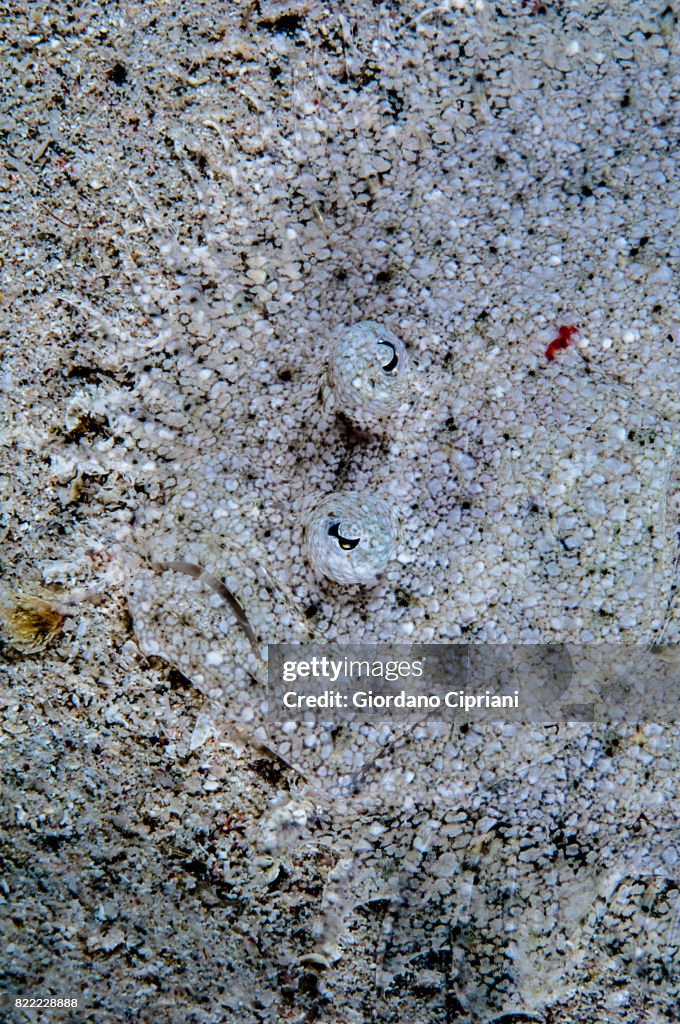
669	653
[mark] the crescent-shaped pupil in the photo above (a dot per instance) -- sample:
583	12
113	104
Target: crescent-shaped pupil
346	543
394	361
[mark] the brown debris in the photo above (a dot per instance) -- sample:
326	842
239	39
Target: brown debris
30	623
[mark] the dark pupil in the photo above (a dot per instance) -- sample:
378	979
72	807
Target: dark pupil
346	543
394	361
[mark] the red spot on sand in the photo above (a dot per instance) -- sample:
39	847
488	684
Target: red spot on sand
564	335
540	8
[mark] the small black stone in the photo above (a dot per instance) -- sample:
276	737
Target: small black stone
118	74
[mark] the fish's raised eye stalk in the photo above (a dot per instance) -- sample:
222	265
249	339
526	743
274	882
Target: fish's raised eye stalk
350	537
368	373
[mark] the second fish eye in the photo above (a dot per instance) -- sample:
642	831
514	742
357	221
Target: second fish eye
346	543
369	374
393	362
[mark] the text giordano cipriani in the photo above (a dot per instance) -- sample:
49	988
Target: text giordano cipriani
332	670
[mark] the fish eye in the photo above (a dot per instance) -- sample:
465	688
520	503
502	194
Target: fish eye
350	559
346	543
368	385
394	361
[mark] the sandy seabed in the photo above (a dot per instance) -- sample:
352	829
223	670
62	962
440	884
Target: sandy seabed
198	198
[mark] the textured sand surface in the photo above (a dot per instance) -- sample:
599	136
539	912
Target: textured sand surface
197	199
